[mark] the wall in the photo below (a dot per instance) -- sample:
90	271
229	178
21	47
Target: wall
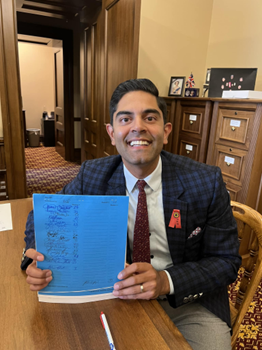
174	40
235	36
37	81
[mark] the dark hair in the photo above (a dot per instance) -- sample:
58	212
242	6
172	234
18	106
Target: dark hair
136	85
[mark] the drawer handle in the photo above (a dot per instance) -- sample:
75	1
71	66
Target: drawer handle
233	128
187	152
228	164
235	113
191	122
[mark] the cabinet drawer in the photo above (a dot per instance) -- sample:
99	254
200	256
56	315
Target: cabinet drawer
234	126
189	149
192	119
233	191
231	162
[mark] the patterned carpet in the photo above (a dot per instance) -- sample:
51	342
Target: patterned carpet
47	171
250	335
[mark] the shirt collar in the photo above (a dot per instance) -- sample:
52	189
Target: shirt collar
153	180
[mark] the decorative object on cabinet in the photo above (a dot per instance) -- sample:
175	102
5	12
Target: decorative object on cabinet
190	91
176	86
221	79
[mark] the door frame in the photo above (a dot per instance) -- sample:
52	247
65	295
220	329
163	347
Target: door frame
66	35
11	103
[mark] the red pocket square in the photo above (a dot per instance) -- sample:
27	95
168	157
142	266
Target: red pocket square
194	233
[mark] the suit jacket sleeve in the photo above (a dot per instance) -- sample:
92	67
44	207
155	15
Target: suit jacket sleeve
215	261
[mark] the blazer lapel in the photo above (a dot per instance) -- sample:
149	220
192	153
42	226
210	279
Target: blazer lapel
172	189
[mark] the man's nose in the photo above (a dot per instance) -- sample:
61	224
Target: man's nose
138	125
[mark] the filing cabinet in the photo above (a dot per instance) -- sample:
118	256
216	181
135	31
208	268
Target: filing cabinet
235	145
191	126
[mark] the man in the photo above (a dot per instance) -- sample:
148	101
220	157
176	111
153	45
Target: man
192	233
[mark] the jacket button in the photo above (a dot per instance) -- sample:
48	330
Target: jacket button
185	300
195	296
190	298
152	256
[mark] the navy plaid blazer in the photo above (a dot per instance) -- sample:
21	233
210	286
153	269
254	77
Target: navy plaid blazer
204	264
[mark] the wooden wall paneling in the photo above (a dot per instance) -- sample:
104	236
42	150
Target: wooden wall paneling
3	189
11	103
91	120
122	20
93	88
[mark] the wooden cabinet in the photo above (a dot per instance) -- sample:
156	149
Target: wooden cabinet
225	133
235	143
191	121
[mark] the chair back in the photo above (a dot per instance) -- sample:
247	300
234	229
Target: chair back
249	222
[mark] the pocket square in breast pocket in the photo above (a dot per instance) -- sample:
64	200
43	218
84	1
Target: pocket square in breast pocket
194	233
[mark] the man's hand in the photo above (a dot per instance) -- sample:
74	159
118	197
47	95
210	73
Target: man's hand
37	278
154	283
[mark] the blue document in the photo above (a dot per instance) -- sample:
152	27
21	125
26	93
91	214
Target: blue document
83	240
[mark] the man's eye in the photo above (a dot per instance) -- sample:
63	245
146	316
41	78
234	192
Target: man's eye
125	120
150	118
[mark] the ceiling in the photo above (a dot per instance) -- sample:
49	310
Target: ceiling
62	9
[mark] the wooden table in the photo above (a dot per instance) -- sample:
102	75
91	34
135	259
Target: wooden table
26	323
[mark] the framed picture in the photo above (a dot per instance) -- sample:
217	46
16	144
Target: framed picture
176	86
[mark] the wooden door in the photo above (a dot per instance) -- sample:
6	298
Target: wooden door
111	57
11	103
59	104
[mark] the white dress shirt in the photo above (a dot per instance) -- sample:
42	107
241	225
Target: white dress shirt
159	250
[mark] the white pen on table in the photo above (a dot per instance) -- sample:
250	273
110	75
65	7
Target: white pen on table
107	329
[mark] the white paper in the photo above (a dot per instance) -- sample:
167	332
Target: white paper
234	122
229	160
193	117
189	147
5	217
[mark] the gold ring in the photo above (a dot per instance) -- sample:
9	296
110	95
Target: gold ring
141	287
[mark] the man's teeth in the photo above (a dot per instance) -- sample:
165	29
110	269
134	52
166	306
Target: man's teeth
133	143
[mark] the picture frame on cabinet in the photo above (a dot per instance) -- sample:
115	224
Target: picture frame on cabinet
176	86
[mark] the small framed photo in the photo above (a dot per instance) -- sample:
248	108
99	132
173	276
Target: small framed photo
176	86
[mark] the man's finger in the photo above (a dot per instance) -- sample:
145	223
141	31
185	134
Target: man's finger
38	281
33	254
36	287
132	269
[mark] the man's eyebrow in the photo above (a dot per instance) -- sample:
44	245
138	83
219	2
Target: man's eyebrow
146	111
123	113
151	110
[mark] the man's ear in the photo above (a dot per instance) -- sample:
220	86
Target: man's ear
167	131
110	131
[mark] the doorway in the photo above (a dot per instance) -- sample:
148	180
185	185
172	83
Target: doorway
41	76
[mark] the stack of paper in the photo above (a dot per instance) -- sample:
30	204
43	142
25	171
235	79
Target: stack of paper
83	239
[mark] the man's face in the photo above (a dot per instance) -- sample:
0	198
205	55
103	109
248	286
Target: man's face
138	132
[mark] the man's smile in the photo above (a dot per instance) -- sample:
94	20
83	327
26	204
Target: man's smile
136	143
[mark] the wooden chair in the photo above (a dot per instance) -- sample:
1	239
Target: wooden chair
251	277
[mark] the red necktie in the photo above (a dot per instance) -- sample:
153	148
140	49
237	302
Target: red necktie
141	245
